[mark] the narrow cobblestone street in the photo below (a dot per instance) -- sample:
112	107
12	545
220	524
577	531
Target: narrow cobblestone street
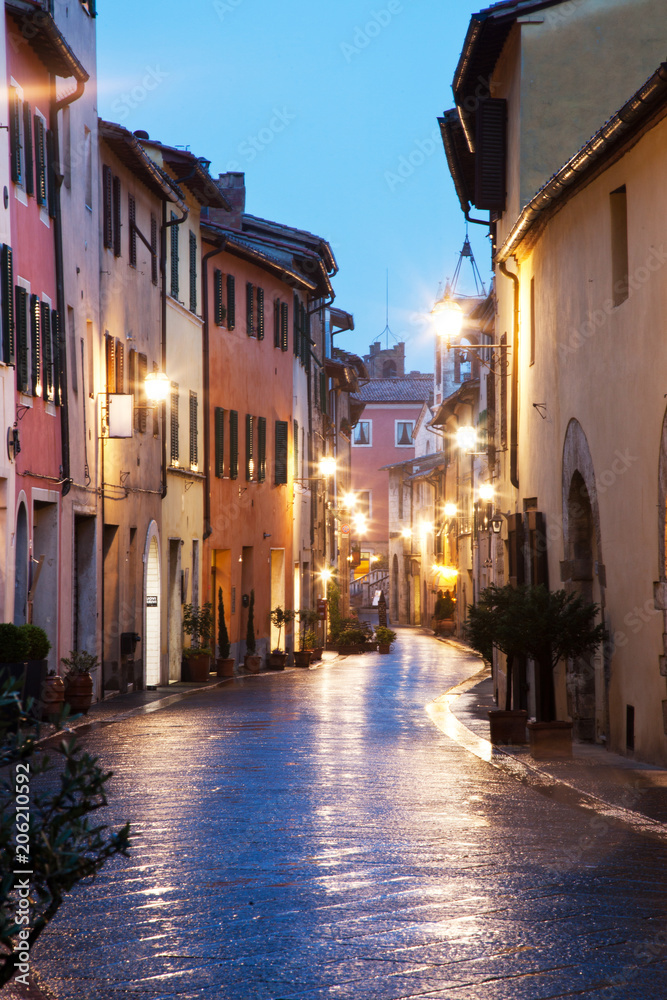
313	834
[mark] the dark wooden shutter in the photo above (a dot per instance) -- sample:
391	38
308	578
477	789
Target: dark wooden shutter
174	256
231	302
217	297
22	339
305	336
491	419
132	385
132	219
276	322
35	346
110	353
261	449
7	279
260	314
281	452
27	145
249	309
194	457
219	442
47	351
15	135
55	340
120	366
51	173
233	444
296	345
491	154
117	248
284	325
173	419
503	391
41	188
193	272
517	569
249	461
142	371
537	543
154	275
107	203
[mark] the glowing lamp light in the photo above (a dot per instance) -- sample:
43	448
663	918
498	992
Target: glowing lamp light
447	573
466	438
327	466
447	317
326	575
486	492
360	524
425	527
407	533
451	510
157	385
349	501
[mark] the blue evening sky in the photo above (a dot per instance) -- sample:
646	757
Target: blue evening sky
330	110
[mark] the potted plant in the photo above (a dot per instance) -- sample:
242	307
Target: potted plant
224	663
311	640
14	649
307	637
280	619
352	639
36	665
251	661
443	621
384	637
78	679
53	697
198	624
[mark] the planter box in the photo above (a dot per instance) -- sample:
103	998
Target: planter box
53	698
276	661
384	647
252	663
224	666
550	739
79	692
302	658
508	727
198	667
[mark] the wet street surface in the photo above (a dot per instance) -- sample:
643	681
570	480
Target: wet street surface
314	835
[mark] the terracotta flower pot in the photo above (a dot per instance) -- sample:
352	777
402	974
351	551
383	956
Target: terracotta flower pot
276	661
384	647
79	692
199	667
302	658
225	666
508	727
550	739
53	698
316	654
252	663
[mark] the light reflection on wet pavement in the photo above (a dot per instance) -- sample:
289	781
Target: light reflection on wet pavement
313	835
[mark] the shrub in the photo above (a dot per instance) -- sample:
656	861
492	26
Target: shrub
38	641
14	644
251	644
223	635
385	636
79	662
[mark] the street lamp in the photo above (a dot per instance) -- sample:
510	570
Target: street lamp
327	466
448	317
451	510
466	438
486	492
156	387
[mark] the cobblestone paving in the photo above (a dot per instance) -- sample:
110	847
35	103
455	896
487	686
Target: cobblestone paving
313	835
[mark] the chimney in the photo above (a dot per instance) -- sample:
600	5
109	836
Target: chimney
232	186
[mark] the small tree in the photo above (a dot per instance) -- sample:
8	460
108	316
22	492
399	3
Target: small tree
280	619
308	617
335	618
198	624
223	635
250	642
62	846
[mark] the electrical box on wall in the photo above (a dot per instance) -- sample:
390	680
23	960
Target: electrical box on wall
121	411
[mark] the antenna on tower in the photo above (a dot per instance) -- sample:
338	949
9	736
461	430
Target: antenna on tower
387	332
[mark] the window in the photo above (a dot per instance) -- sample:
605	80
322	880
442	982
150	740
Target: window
404	430
194	457
116	217
363	503
250	309
16	137
260	314
281	452
7	290
110	357
35	346
233	444
22	357
219	310
174	423
41	158
132	216
231	302
491	154
296	335
284	325
619	245
503	392
276	323
249	449
219	430
140	399
363	434
174	256
389	369
296	449
153	249
111	211
261	449
48	352
193	272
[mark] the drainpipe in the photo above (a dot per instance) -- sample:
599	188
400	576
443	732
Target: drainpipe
219	246
163	361
514	406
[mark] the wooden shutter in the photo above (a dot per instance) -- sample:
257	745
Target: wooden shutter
233	444
231	302
219	427
132	219
117	248
142	371
22	339
132	385
503	391
47	351
281	452
193	272
261	449
41	189
7	281
260	314
249	309
107	206
305	335
120	366
491	419
249	461
517	569
51	173
276	322
217	297
194	456
284	325
295	448
174	256
110	353
491	154
27	145
154	276
55	341
15	135
296	345
173	419
35	346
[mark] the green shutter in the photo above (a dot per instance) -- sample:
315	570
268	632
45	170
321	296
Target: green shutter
107	207
41	191
218	308
22	339
276	322
284	325
35	346
194	454
249	462
27	145
47	351
231	302
219	442
193	272
51	174
281	452
174	422
261	449
15	134
174	257
249	307
233	444
132	219
7	280
260	314
296	345
55	340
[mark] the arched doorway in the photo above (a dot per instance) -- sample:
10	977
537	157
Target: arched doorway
152	609
21	567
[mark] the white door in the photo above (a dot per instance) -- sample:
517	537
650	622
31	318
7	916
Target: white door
152	624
